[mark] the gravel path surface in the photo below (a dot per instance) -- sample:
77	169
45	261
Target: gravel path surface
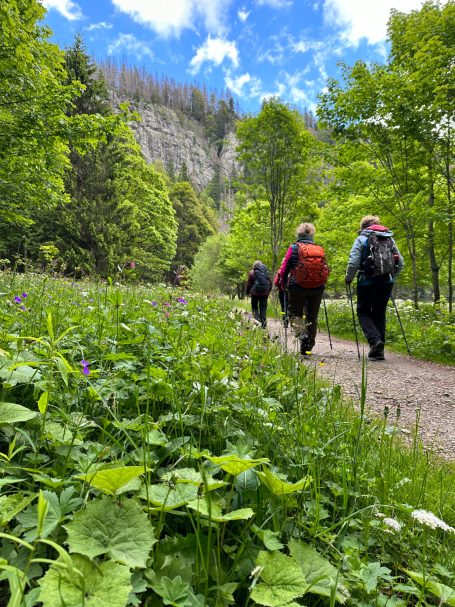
402	383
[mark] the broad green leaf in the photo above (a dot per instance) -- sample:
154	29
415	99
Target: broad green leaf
87	585
319	573
246	481
21	374
211	509
112	480
282	580
173	592
280	487
193	477
233	464
155	437
168	497
268	537
62	368
43	402
121	531
11	413
371	574
11	505
10	479
443	592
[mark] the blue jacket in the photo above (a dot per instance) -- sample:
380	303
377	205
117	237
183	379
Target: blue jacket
355	258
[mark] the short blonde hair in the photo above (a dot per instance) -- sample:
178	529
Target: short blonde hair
368	220
305	229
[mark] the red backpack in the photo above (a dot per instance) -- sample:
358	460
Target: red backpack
311	270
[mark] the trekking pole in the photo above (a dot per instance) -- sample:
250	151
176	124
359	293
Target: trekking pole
401	325
327	321
285	318
349	293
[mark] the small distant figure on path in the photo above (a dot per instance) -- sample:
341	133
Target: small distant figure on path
304	273
376	260
258	286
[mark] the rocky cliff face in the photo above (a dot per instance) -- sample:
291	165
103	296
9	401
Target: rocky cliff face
176	140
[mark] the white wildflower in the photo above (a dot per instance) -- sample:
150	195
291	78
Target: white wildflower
380	515
392	523
256	572
431	520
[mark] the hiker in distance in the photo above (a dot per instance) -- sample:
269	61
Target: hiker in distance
258	286
376	260
304	273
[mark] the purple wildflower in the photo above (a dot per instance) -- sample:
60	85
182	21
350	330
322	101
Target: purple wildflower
154	304
85	369
167	304
182	300
17	299
22	307
24	295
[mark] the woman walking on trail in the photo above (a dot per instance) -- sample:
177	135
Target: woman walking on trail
376	260
258	286
278	282
304	273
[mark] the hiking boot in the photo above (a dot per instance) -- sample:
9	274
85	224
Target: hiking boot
376	351
305	346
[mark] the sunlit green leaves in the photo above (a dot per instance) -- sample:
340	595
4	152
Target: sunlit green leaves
87	584
232	464
113	480
120	531
280	487
281	580
11	413
322	577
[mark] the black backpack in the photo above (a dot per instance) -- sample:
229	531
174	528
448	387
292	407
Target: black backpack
261	280
380	256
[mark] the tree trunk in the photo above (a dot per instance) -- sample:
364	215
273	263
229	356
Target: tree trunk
433	263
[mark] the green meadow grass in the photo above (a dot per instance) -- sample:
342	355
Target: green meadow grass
158	449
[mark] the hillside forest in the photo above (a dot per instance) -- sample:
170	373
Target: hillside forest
77	196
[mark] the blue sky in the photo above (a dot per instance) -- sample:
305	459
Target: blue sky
256	48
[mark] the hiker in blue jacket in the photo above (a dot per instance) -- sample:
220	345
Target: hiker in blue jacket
376	260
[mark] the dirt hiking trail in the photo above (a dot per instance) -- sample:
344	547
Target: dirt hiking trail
400	382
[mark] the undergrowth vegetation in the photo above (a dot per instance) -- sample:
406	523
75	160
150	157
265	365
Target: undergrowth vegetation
429	331
156	449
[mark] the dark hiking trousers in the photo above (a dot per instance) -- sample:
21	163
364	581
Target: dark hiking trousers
303	310
371	310
259	307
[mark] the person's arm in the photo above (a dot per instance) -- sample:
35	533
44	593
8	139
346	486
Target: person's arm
286	267
249	283
355	259
400	264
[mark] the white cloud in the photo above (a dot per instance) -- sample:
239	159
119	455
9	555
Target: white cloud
243	86
275	3
214	50
242	14
102	25
170	17
67	8
131	44
364	19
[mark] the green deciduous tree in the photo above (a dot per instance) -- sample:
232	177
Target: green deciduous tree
195	222
274	147
34	96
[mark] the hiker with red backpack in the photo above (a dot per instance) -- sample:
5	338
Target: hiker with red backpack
376	260
258	286
304	273
278	282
